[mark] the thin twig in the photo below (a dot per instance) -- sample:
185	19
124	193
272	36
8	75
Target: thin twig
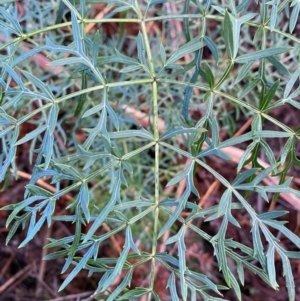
73	297
213	187
100	15
7	265
43	264
243	128
41	183
14	278
41	282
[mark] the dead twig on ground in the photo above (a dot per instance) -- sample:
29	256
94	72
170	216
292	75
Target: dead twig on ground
17	278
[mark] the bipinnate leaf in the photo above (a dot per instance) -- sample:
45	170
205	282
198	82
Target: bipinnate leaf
243	71
271	266
122	5
173	131
181	176
289	278
19	221
141	49
119	266
32	134
190	47
220	251
274	13
137	292
181	204
14	75
294	15
172	287
79	266
109	171
209	75
278	65
14	24
105	211
182	264
249	87
153	2
228	35
39	84
212	47
125	282
130	69
76	33
291	83
235	285
246	58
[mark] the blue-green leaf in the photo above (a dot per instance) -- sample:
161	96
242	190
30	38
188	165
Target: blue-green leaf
14	75
133	294
141	49
119	266
72	8
76	33
130	68
153	2
14	21
271	266
173	131
235	285
162	53
79	266
32	134
243	71
257	55
274	12
105	211
228	35
125	282
288	273
212	47
278	65
294	16
290	84
172	286
190	47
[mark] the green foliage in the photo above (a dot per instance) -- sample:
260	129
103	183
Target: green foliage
118	173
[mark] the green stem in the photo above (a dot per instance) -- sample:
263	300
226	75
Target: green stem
124	20
65	24
77	93
235	100
254	110
156	165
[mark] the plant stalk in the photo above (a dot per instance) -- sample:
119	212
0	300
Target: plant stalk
156	164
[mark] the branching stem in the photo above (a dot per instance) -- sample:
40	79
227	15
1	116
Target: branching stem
156	164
